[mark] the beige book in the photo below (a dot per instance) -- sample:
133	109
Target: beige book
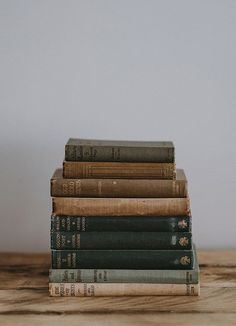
120	289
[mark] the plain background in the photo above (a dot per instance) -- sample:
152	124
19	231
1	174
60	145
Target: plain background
141	70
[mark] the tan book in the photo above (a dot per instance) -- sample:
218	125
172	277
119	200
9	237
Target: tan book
120	289
120	206
119	170
62	187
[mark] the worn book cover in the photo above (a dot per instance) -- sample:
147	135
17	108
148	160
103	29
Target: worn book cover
123	188
119	170
67	223
120	289
121	240
189	276
123	259
120	206
119	151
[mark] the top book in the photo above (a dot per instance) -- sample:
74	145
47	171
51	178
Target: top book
88	150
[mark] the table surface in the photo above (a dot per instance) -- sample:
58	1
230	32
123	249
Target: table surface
24	297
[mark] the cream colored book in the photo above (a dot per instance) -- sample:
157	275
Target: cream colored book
120	289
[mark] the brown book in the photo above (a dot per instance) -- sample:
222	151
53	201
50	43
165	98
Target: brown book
120	289
120	206
120	170
61	187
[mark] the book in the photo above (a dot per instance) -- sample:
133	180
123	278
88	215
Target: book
120	206
123	259
119	170
124	276
62	187
119	151
121	223
121	240
120	289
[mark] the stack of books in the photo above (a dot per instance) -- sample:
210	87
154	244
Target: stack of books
121	222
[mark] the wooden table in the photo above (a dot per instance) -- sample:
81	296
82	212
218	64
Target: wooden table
24	297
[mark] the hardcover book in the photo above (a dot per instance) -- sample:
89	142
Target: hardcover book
119	151
120	206
133	188
120	289
121	223
121	240
108	170
123	259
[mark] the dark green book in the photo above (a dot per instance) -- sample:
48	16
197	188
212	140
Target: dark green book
123	259
121	223
121	240
162	276
88	150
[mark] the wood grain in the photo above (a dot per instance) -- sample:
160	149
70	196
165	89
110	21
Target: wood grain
116	319
24	292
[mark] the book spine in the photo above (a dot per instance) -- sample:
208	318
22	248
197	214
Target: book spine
119	154
62	187
96	170
120	289
121	240
120	206
122	259
123	276
120	223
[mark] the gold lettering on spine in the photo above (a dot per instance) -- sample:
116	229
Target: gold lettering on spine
58	259
78	187
78	224
68	228
69	260
57	223
63	223
64	189
78	241
63	241
71	187
58	241
73	240
83	223
73	260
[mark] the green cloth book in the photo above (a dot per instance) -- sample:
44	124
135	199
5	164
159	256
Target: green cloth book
123	259
121	240
89	150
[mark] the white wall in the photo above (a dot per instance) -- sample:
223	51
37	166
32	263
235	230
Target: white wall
148	70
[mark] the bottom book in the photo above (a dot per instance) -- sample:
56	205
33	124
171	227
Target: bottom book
120	289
